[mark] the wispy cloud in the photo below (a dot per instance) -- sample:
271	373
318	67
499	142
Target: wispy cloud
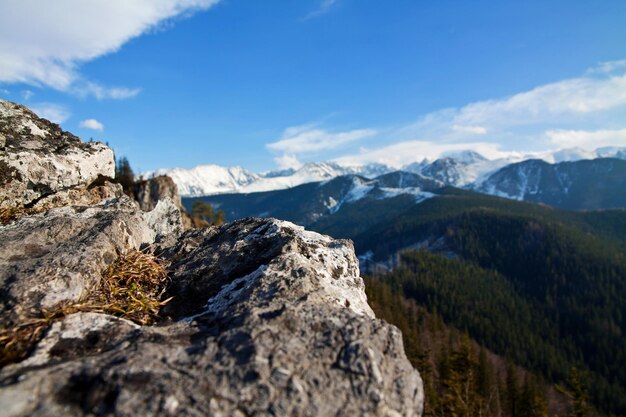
406	152
472	130
562	114
92	124
587	139
84	89
608	67
27	94
304	139
323	8
287	161
50	49
56	113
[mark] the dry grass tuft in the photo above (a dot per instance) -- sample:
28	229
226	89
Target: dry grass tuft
131	288
16	343
13	213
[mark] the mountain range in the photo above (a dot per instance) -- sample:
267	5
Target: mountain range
465	169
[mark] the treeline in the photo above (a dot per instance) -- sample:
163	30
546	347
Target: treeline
543	287
536	329
574	282
463	378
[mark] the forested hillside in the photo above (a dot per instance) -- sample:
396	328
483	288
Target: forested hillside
538	294
462	377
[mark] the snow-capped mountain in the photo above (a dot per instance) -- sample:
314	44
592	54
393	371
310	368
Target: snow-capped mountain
213	179
466	169
458	169
207	179
585	184
308	203
469	169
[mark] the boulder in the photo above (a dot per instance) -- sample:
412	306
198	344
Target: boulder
59	256
148	192
38	159
267	319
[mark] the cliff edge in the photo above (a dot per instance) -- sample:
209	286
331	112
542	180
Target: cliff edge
256	317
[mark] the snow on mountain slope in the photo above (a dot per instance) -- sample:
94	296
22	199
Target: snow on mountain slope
213	179
459	171
207	179
383	187
466	169
599	183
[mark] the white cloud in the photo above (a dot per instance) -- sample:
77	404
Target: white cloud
324	7
406	152
587	139
27	94
608	67
298	140
568	101
45	44
550	102
287	161
51	111
92	124
473	130
562	114
83	89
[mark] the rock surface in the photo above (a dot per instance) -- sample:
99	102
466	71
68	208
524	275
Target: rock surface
37	158
60	255
148	192
266	318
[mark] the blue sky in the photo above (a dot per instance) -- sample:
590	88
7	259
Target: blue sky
266	84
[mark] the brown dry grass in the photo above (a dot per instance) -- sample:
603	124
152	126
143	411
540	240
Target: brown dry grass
131	288
12	213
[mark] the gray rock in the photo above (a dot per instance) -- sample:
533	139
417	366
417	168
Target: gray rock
206	263
149	192
165	221
38	159
278	325
59	256
80	196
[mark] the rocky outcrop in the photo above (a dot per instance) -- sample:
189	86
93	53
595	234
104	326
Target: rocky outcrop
148	192
264	318
38	159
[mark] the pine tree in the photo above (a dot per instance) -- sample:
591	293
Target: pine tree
512	393
124	175
532	401
577	393
202	210
220	218
460	396
483	374
204	215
